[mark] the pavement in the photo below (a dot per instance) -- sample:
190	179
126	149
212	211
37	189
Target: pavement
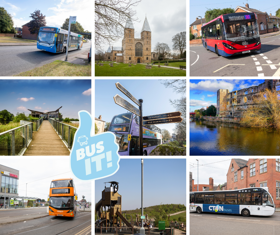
18	44
49	225
265	63
219	224
17	59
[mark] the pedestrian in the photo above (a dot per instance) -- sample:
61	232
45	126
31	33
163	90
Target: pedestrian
1	205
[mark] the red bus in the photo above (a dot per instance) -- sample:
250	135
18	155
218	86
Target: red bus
232	34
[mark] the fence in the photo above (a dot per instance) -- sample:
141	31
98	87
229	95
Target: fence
64	131
15	141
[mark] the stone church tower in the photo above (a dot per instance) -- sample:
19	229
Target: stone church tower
128	43
146	36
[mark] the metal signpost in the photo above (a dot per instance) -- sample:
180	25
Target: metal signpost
164	121
164	115
72	20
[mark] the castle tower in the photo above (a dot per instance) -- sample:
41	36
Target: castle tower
221	100
146	36
128	43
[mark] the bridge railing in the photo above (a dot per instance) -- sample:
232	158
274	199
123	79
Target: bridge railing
65	132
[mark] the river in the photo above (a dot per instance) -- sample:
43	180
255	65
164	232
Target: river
214	138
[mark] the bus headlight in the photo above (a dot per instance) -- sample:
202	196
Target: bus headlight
70	211
228	46
50	209
258	43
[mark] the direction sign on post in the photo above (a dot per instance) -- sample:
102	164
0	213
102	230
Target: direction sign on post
127	93
163	121
73	19
126	105
163	115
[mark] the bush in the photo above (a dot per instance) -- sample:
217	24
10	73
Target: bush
67	120
191	36
32	118
6	116
19	117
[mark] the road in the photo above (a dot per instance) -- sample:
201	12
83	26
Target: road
213	224
266	63
11	213
17	59
80	225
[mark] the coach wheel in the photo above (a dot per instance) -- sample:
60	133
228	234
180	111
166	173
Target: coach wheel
198	210
245	213
206	46
217	51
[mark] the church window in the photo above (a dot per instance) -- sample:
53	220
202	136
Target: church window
147	58
115	53
138	49
115	57
146	49
129	58
109	58
147	33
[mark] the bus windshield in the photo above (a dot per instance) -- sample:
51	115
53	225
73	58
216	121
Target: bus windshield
122	141
240	30
61	183
46	37
62	202
122	119
267	199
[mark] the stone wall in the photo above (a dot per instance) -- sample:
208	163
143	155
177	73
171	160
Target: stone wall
7	35
196	41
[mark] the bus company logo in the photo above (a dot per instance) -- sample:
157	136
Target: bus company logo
216	208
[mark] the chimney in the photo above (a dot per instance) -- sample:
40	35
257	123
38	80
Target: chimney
247	5
99	117
270	14
211	183
196	18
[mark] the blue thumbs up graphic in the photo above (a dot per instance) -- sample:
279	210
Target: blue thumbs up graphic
93	157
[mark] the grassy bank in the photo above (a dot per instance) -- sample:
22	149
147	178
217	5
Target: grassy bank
9	126
135	70
182	217
15	40
59	68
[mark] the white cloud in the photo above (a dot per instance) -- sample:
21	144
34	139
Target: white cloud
22	108
13	7
44	103
201	103
27	99
203	97
65	8
211	85
87	92
19	22
211	95
37	107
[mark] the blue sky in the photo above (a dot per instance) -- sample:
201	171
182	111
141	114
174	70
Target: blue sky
46	95
164	182
154	94
198	8
203	93
56	11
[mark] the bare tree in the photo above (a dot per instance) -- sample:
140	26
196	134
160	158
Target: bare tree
178	85
110	19
162	49
179	42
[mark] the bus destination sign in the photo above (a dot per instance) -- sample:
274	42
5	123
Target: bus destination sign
163	121
127	93
48	29
164	115
126	105
242	17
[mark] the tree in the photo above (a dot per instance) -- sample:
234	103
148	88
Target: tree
96	129
38	20
6	22
179	42
110	19
214	13
6	116
19	117
211	110
107	125
278	13
75	28
162	49
166	135
67	120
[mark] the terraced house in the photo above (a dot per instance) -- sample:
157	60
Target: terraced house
233	104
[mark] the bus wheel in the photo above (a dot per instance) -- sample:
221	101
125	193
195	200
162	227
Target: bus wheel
198	210
245	212
217	51
145	153
206	46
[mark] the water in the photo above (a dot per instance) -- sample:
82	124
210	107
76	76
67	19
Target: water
212	138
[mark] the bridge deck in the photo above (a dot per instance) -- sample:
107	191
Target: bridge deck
46	142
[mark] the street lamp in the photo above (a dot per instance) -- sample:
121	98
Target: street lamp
142	229
197	175
201	22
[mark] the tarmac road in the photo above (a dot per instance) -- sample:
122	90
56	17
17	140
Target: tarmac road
265	63
80	225
219	224
17	59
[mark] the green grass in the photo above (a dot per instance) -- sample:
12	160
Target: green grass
15	40
135	70
9	126
175	64
176	217
59	68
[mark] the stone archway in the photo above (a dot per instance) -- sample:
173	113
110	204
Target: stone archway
138	60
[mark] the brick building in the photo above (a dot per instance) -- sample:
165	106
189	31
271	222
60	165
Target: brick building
203	187
255	173
26	33
133	50
196	27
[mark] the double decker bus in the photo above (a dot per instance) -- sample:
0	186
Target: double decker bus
54	40
62	198
247	201
126	128
232	34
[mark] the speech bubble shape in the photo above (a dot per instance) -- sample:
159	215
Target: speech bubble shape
93	157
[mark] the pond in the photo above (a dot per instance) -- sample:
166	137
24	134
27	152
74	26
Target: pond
215	138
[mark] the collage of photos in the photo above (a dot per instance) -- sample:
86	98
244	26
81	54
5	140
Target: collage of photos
107	149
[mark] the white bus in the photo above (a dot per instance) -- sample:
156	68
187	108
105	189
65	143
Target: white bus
247	201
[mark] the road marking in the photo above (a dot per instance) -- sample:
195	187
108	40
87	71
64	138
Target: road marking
273	67
277	74
249	220
261	75
196	215
269	62
255	59
259	68
265	57
257	63
262	54
197	58
252	56
84	230
226	66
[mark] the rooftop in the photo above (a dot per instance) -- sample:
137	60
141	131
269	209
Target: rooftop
129	24
198	21
146	26
240	162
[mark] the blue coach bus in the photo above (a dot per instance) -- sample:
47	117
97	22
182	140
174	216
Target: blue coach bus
54	40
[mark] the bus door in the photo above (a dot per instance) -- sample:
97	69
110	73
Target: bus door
134	146
59	43
258	208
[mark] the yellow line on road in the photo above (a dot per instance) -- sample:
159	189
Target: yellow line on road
277	74
226	66
84	230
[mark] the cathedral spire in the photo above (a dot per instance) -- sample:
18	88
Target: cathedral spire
129	24
146	26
